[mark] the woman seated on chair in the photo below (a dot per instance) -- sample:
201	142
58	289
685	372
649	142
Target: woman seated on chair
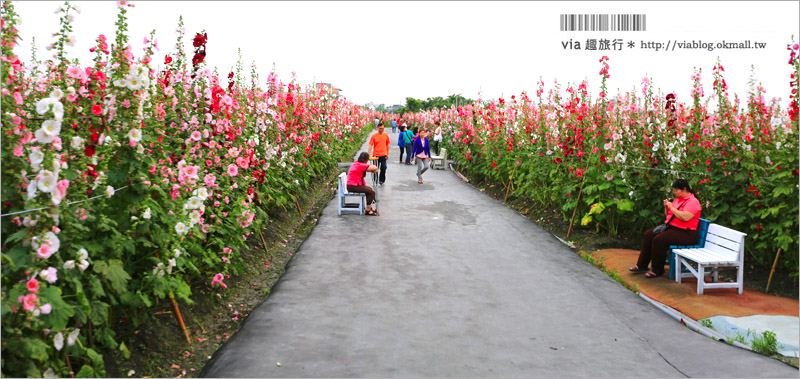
683	215
355	180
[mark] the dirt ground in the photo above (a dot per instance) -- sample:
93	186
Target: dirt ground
159	349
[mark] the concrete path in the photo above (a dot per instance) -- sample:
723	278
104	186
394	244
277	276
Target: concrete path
448	282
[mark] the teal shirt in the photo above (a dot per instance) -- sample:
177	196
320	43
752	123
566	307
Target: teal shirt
408	136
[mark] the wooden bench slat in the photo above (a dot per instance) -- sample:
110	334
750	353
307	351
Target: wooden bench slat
733	235
728	244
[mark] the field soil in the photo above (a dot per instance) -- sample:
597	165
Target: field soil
159	348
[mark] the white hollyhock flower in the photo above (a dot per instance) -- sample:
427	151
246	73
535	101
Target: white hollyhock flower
83	254
49	373
32	189
58	341
58	110
135	134
52	127
180	228
171	264
159	270
109	191
36	156
177	253
47	181
50	275
57	94
202	193
69	265
43	105
73	336
194	217
147	214
77	142
133	82
42	136
120	83
83	265
139	149
194	202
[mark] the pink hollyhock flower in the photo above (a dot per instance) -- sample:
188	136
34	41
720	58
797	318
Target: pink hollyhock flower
209	179
61	186
196	136
74	72
226	250
218	279
242	162
233	170
50	275
28	301
46	309
18	151
44	251
33	285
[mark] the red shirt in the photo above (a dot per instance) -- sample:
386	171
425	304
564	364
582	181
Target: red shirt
692	205
355	177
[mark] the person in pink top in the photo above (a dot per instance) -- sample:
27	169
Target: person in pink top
355	180
683	215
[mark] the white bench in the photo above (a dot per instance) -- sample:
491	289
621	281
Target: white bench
342	194
439	161
723	248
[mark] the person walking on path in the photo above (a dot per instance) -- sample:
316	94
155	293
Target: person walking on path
394	126
683	215
401	142
437	136
379	147
355	180
408	137
422	153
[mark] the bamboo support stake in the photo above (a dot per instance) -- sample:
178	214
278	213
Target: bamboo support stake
572	220
510	179
262	241
180	318
775	263
299	211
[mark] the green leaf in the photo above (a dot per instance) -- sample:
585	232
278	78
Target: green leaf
34	348
18	236
737	219
60	311
124	349
99	313
587	218
625	205
86	372
97	361
69	174
114	272
597	208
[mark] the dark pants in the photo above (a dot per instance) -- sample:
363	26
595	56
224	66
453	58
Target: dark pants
436	147
402	150
363	189
408	153
654	247
382	168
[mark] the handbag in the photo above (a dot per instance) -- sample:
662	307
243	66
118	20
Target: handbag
663	227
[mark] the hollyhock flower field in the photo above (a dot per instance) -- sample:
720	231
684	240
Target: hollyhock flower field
128	179
607	162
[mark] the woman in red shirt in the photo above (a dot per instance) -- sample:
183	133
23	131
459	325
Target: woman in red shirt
355	180
683	215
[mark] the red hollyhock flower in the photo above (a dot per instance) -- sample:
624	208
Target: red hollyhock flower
198	58
167	59
200	39
97	110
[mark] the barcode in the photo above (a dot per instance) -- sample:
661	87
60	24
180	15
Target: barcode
603	22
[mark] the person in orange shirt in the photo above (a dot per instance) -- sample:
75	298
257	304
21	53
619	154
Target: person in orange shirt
379	147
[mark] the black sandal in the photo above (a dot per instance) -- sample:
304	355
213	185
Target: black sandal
371	212
651	275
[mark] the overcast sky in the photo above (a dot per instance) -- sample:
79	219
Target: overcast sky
385	51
